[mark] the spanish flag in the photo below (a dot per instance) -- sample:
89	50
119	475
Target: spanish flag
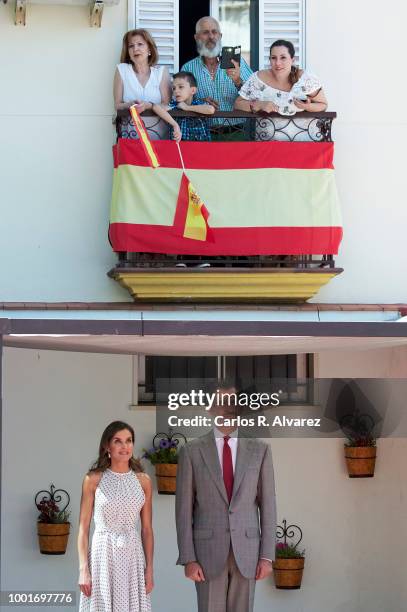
196	214
146	143
193	210
264	198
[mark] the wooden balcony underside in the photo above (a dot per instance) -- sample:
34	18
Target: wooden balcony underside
289	285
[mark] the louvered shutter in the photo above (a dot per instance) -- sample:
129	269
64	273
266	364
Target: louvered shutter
281	20
161	20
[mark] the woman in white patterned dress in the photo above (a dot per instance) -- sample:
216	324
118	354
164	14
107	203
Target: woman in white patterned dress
116	574
285	89
138	80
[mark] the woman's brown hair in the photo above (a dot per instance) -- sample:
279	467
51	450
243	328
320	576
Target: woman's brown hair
152	58
102	463
295	70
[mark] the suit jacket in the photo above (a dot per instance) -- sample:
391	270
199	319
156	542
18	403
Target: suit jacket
207	524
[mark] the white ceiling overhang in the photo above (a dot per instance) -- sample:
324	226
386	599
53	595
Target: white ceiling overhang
204	332
198	345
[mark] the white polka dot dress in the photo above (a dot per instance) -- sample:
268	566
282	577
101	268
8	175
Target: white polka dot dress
116	558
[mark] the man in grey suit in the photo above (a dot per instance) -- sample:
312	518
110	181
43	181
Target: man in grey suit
225	515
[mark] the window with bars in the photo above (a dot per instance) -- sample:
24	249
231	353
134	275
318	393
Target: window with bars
255	372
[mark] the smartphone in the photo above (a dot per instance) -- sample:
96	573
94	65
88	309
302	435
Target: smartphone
298	93
228	54
301	96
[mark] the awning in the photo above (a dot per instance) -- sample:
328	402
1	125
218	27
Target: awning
210	332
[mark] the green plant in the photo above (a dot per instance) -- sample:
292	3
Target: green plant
361	440
288	551
50	512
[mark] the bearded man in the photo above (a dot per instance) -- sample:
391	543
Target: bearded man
216	86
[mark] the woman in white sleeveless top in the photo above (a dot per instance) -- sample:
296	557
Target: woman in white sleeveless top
138	80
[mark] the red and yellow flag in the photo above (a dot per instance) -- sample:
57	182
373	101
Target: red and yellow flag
144	138
193	210
264	198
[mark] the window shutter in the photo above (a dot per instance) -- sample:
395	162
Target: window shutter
161	20
281	20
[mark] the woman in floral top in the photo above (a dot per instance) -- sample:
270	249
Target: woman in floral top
285	89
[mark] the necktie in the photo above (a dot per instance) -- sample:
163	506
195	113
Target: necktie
227	465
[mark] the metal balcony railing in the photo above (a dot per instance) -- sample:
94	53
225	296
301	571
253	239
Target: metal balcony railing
158	260
239	125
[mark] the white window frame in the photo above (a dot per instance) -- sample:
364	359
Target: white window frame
302	30
132	12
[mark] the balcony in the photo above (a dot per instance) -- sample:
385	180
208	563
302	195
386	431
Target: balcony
280	274
242	125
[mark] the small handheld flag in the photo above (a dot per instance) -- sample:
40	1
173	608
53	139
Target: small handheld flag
196	218
144	138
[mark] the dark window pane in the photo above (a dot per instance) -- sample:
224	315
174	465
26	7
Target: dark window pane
262	367
177	367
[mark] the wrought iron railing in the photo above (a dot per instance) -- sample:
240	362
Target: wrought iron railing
239	125
234	126
158	260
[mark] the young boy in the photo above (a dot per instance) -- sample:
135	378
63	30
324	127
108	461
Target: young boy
184	88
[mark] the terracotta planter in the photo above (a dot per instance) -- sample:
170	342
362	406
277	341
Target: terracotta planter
166	474
53	537
360	461
288	573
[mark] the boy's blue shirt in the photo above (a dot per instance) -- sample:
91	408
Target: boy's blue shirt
192	128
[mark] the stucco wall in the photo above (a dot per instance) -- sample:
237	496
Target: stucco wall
55	121
350	45
55	408
56	113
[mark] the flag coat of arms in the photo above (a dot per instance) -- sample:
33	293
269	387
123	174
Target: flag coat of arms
242	198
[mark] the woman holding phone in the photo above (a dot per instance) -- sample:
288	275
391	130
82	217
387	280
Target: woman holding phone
285	89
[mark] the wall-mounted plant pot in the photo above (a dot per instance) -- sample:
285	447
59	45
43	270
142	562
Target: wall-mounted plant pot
360	461
53	537
288	573
166	474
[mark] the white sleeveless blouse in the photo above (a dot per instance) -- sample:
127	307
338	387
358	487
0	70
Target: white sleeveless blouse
132	88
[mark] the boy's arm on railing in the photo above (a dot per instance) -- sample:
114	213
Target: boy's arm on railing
203	109
162	112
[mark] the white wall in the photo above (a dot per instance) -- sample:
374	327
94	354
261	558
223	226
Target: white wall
55	408
56	113
356	48
55	121
382	363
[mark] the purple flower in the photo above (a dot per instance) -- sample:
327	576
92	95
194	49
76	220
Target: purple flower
174	443
164	443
